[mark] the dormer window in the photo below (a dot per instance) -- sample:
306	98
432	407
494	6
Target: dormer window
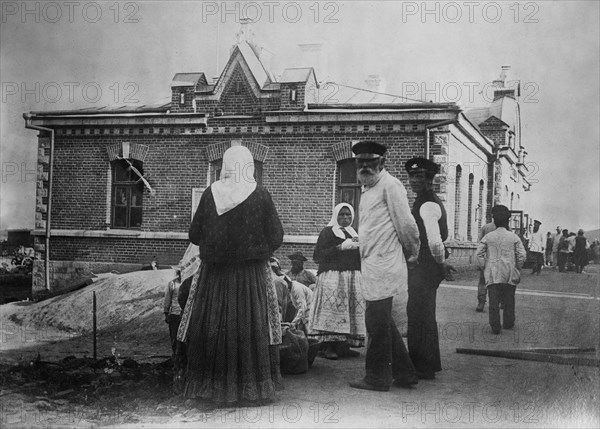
293	94
182	98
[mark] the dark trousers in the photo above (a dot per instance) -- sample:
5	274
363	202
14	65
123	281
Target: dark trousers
387	357
423	341
501	293
174	320
562	260
481	289
538	261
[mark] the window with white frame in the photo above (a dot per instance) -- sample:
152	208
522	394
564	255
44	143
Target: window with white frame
127	194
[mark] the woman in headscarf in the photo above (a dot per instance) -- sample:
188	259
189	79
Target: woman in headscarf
337	316
231	321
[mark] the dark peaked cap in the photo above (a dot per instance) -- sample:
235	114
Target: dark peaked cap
368	150
421	165
297	256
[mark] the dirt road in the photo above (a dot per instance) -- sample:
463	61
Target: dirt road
552	310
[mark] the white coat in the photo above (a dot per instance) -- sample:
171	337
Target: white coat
386	225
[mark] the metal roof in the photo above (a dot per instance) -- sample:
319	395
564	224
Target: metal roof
186	79
296	75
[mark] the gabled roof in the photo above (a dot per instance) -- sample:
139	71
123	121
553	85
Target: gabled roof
503	109
493	120
296	75
188	79
259	78
477	115
256	67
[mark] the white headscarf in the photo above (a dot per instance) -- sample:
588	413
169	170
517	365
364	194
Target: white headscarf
237	179
336	226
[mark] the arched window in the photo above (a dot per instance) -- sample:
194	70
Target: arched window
470	209
348	186
481	208
127	193
457	196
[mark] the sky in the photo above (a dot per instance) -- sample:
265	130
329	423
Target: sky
70	55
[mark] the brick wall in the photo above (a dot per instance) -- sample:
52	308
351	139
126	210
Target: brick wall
299	171
176	106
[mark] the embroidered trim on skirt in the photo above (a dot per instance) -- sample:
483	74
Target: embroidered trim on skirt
230	358
338	309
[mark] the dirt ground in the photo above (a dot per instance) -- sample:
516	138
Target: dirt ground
49	380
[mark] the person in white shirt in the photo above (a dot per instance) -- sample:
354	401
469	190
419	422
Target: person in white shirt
536	247
556	240
386	228
425	278
296	309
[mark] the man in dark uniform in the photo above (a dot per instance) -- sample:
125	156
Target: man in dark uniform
424	279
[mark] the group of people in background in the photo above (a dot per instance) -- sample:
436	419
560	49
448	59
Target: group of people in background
569	251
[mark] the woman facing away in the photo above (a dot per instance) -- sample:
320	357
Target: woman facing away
337	316
580	253
231	321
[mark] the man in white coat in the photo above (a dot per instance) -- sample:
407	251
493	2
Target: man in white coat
386	228
502	255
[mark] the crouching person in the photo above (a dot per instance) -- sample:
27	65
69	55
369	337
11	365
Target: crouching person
502	255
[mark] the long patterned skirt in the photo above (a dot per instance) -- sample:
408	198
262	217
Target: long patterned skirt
338	309
230	353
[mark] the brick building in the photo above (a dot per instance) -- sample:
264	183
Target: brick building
117	188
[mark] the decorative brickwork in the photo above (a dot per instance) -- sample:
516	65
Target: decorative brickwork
132	150
342	150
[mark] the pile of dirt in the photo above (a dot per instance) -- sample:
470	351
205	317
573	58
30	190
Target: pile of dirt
121	299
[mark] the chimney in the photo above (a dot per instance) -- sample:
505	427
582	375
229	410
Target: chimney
375	83
500	88
499	83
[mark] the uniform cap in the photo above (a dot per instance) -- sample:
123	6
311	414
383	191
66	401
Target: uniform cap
368	150
421	165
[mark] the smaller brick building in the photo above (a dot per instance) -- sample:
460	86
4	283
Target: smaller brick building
117	188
